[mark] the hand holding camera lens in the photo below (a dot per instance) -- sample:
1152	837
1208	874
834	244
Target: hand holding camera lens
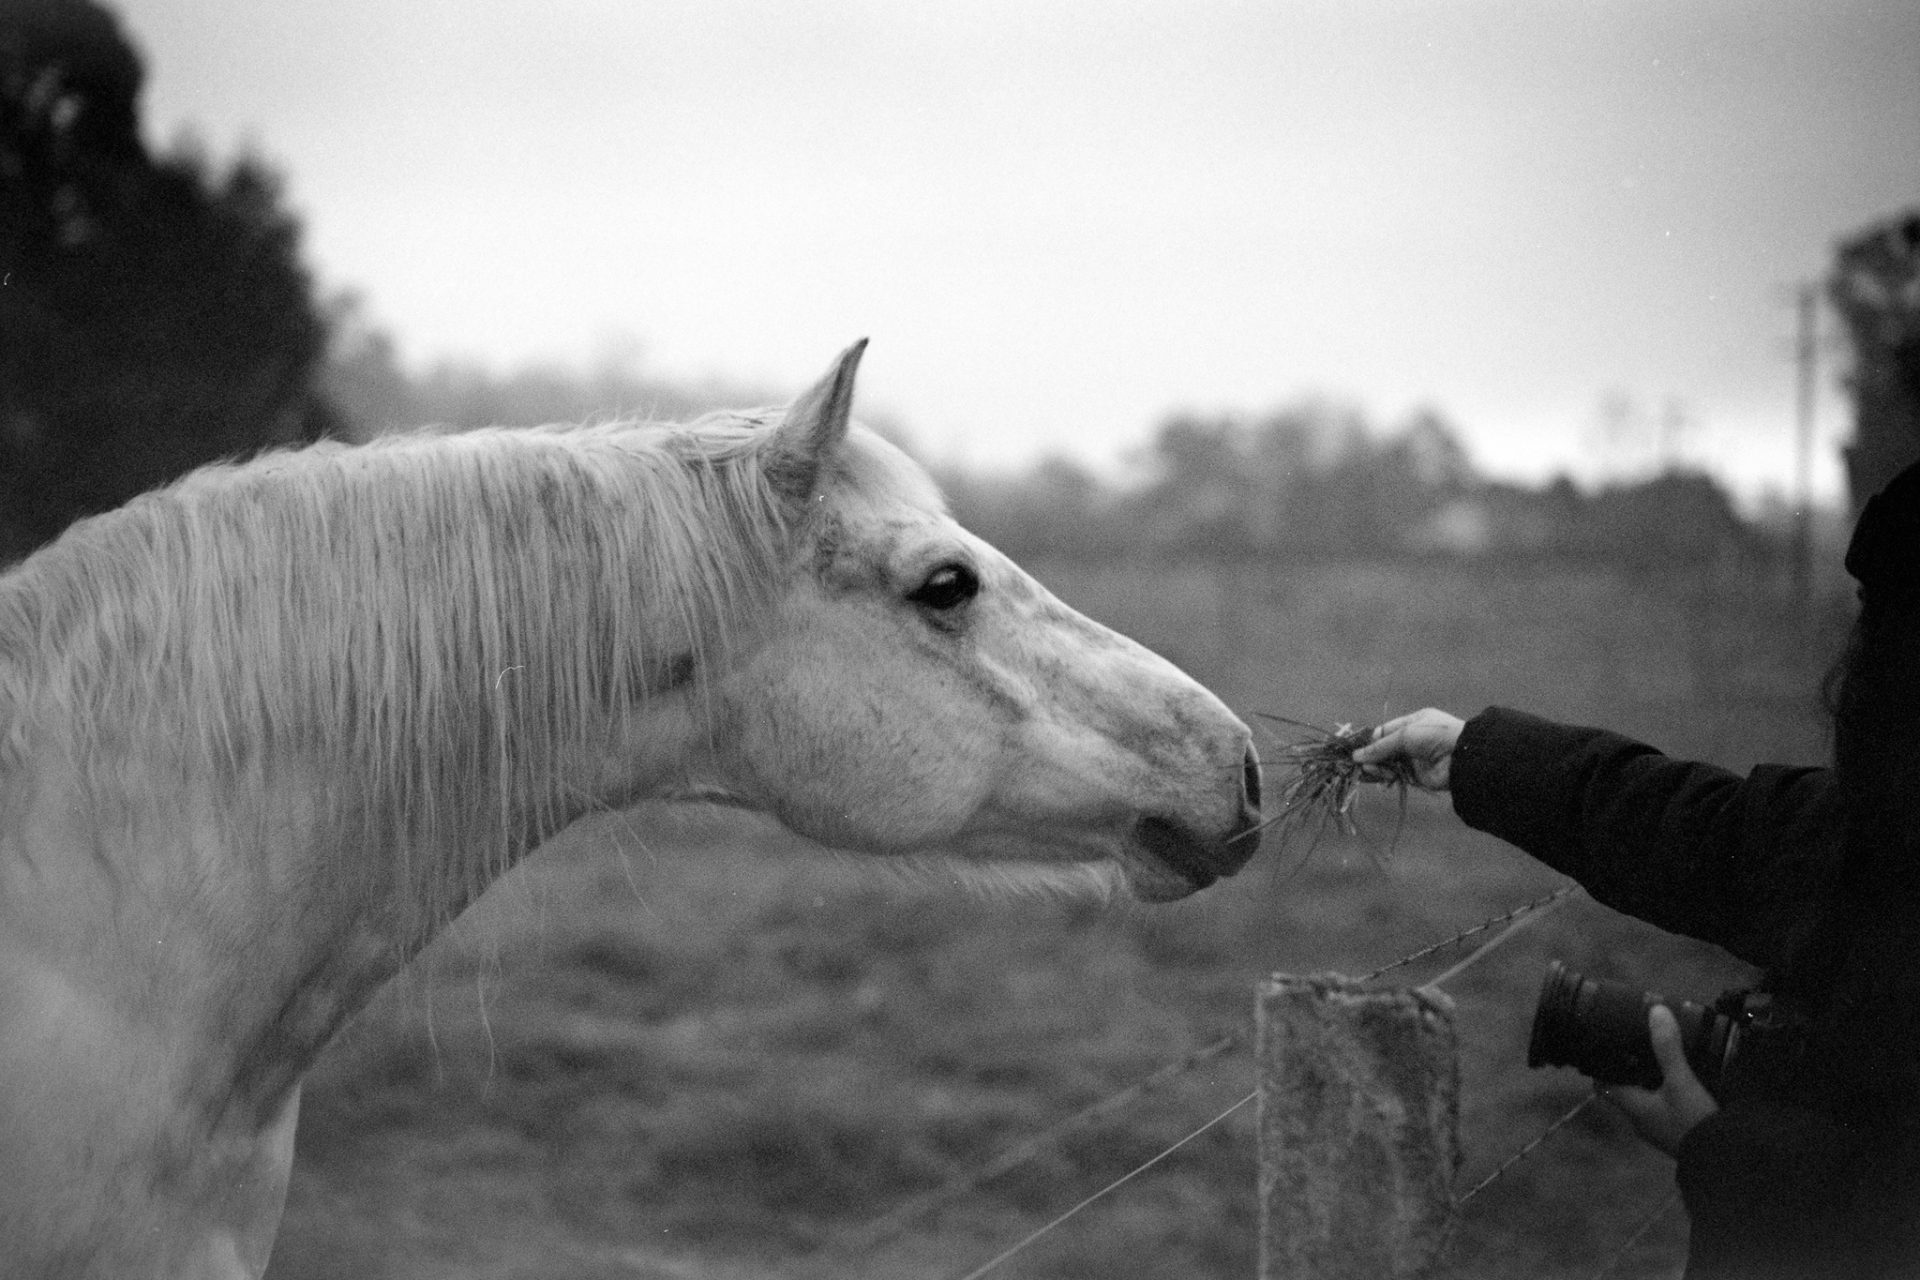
1664	1115
1663	1063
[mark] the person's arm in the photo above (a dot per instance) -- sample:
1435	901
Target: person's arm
1691	848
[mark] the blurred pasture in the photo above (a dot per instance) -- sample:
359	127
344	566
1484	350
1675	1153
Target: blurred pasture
680	1044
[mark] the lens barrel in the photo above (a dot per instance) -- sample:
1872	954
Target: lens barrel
1600	1029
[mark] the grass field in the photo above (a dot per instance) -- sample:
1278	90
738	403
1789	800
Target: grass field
681	1045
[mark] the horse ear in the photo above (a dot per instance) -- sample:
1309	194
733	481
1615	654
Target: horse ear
812	429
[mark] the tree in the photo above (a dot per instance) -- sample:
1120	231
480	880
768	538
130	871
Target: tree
154	313
1875	286
1056	510
361	377
1201	502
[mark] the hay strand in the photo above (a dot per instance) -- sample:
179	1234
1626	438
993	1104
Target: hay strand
1322	780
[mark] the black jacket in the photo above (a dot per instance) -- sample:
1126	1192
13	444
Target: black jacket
1793	1184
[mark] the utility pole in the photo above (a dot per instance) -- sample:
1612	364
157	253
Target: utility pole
1674	423
1806	351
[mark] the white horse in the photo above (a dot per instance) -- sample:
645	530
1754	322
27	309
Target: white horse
263	732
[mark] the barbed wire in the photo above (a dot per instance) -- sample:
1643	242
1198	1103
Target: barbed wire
1540	912
1505	1166
1565	891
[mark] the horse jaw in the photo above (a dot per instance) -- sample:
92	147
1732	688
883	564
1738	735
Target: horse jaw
1101	881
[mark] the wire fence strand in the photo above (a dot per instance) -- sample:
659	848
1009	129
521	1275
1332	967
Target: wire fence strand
1505	1166
1632	1242
1030	1238
1537	911
878	1231
893	1223
1546	900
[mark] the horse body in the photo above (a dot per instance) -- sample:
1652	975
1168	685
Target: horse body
263	733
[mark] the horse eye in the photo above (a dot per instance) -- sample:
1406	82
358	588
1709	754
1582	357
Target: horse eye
948	587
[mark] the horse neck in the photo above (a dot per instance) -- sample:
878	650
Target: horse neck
311	773
231	925
379	887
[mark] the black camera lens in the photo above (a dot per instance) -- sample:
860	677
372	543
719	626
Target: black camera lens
1600	1030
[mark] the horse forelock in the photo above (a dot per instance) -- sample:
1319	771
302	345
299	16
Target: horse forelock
438	623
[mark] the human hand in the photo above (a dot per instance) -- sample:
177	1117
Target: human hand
1422	740
1663	1116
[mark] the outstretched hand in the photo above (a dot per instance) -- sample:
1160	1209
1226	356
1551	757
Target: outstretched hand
1665	1115
1422	741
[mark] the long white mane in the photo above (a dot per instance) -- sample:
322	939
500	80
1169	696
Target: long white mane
432	622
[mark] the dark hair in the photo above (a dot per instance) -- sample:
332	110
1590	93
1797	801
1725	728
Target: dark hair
1836	676
1861	962
1874	689
1875	699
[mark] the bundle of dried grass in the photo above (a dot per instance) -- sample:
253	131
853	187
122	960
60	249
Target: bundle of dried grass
1323	780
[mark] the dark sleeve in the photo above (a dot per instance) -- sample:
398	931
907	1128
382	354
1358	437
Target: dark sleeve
1694	849
1769	1192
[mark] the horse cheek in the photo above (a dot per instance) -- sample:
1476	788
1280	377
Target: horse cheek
786	754
876	764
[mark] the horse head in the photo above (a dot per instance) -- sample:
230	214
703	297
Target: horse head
911	691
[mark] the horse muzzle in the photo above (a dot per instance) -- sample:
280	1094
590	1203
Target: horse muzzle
1198	858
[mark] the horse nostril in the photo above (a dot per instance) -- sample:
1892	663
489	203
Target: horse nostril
1253	778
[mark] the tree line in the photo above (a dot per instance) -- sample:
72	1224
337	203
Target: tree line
1313	480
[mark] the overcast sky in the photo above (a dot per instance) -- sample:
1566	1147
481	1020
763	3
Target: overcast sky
1057	222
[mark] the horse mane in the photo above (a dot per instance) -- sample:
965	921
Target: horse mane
429	626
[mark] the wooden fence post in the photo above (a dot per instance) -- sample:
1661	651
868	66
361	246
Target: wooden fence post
1359	1129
